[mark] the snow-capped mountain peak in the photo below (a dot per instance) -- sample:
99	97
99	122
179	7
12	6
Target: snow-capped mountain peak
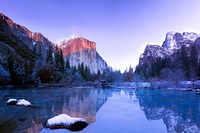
175	40
170	42
170	47
65	40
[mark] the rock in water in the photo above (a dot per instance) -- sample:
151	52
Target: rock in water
12	102
23	102
65	121
18	102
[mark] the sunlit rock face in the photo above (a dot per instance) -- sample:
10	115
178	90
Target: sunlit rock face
80	50
76	44
19	37
176	112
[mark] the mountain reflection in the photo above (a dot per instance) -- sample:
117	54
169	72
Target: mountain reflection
180	111
46	104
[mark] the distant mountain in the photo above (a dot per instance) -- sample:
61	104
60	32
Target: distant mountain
178	56
80	50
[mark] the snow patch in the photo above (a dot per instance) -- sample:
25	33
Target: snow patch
191	36
34	44
156	51
170	42
53	55
141	56
65	40
192	129
187	45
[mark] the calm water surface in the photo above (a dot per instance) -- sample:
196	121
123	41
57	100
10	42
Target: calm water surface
107	110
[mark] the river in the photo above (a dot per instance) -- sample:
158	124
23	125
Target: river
107	110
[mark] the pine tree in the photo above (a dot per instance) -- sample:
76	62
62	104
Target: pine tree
87	74
128	75
185	65
59	61
81	69
193	62
4	75
17	71
49	59
67	65
98	75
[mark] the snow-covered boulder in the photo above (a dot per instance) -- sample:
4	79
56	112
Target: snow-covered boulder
12	102
65	121
18	102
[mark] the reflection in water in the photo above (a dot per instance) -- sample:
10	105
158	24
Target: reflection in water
46	104
180	111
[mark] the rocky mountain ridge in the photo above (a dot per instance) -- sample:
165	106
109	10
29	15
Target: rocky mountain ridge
175	53
23	43
173	42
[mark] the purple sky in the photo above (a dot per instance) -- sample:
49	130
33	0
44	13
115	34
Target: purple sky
121	28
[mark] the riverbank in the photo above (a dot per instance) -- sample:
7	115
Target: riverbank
53	85
182	86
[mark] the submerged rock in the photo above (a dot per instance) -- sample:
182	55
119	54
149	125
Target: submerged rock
18	102
65	121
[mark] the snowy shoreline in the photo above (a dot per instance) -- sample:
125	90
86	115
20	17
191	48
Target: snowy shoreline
50	85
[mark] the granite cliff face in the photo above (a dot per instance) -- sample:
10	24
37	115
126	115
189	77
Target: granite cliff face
178	51
80	50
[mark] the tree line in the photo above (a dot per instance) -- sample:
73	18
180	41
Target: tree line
52	69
